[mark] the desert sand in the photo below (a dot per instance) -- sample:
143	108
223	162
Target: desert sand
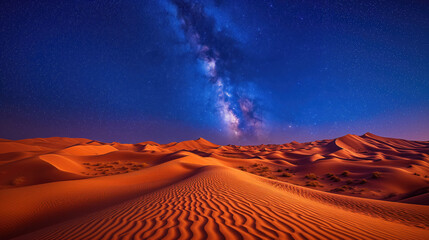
351	187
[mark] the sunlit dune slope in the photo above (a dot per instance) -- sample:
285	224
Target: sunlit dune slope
352	187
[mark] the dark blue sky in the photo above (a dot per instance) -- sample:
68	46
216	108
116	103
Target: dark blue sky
243	72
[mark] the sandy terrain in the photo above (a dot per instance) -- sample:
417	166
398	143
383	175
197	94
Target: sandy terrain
352	187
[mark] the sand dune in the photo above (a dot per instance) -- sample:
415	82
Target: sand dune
352	187
87	150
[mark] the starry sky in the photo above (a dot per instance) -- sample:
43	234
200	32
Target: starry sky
239	72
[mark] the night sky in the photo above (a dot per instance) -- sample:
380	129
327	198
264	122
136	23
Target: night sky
240	72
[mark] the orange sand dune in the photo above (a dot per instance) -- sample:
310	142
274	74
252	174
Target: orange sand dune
352	187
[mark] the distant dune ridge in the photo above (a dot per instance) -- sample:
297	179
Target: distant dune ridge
351	187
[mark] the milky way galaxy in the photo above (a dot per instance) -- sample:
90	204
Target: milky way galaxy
217	52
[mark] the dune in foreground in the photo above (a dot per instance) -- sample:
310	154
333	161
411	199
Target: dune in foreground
352	187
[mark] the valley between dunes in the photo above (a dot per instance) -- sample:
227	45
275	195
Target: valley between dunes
351	187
